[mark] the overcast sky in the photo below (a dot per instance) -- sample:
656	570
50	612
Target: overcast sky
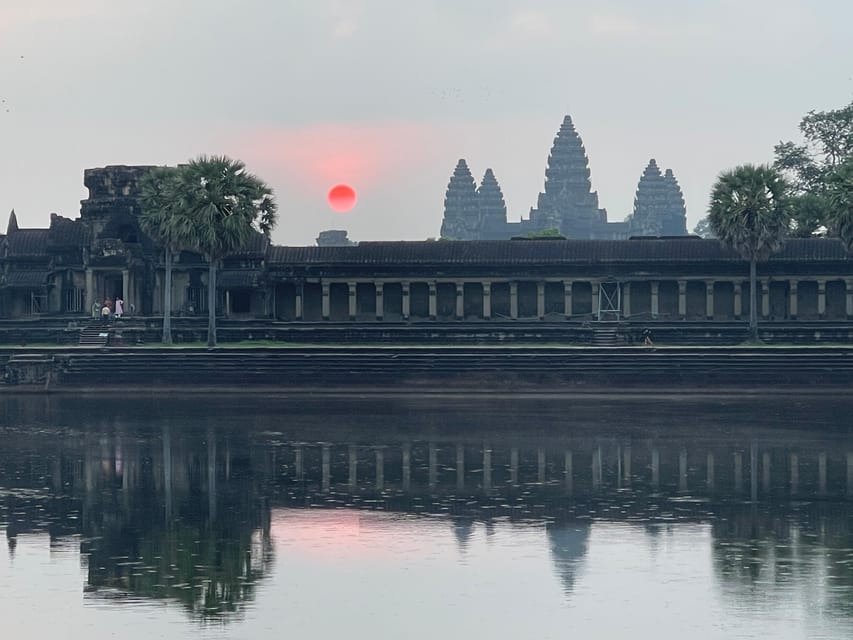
387	95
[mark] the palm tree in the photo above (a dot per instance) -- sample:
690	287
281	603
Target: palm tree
841	203
223	205
163	221
749	213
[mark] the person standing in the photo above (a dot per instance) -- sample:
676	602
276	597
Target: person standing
119	307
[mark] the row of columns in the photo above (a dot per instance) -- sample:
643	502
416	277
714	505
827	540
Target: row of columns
737	285
759	473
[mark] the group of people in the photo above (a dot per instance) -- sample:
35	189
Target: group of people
109	309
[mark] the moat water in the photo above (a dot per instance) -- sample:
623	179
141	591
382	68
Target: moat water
389	517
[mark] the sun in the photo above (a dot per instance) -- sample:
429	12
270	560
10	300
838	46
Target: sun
341	198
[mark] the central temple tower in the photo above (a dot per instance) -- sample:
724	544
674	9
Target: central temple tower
568	202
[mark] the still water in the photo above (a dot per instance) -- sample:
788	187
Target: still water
387	517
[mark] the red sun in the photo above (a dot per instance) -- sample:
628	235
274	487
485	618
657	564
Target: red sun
341	198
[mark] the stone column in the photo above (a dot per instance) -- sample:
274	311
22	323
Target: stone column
460	300
793	303
326	468
407	466
655	468
655	286
567	297
433	300
709	299
513	300
568	471
765	298
90	290
380	469
682	470
738	471
433	465
848	286
738	294
460	467
227	302
540	465
487	300
406	301
353	468
380	300
765	471
596	301
850	473
353	300
795	474
125	284
487	467
540	300
682	299
821	473
821	298
326	305
513	466
626	300
298	297
709	471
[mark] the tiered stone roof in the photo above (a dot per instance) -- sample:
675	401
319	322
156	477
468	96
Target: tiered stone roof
658	205
568	202
490	200
461	209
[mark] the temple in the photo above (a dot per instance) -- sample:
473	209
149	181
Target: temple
65	270
568	205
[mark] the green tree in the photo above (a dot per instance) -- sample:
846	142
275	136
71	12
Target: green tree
225	205
808	167
703	229
749	213
828	144
841	203
164	222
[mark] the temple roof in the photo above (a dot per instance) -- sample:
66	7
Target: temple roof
541	251
28	243
65	232
26	279
238	279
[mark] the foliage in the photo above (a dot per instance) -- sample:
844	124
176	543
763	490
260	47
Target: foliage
225	205
703	229
840	197
162	220
828	144
749	212
545	233
809	167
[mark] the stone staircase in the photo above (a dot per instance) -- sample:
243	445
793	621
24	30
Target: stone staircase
94	337
606	337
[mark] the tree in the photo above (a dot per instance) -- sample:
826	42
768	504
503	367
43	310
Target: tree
841	203
225	205
749	213
808	167
703	229
164	222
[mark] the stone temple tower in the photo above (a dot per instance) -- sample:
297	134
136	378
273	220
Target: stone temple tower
490	200
658	205
461	207
568	202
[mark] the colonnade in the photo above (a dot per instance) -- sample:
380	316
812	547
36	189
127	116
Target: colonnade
755	469
714	298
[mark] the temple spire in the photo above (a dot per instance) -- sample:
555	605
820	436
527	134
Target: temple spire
675	222
568	202
12	227
658	205
492	206
461	208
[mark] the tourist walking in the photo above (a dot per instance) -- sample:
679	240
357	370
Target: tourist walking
105	315
119	307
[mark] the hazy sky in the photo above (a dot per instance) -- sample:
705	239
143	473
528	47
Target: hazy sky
387	95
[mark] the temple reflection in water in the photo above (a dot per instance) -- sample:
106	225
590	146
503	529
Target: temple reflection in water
180	508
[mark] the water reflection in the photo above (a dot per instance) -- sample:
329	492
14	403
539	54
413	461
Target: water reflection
173	503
